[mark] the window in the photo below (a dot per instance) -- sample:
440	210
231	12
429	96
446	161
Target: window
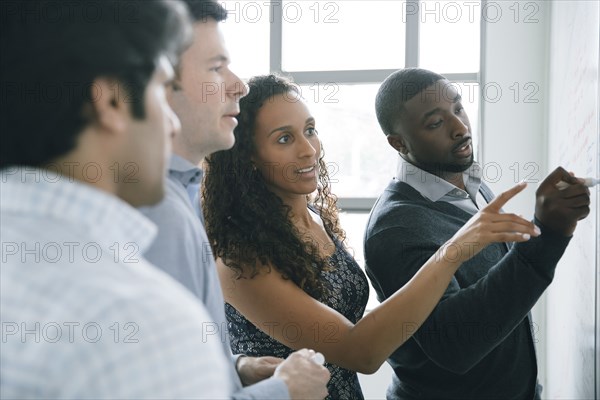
312	31
339	52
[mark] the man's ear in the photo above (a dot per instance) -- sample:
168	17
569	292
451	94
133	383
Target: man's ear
110	110
397	143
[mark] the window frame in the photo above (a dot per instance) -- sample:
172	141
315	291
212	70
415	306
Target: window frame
366	76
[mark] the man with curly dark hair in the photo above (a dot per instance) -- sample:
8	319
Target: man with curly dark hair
206	99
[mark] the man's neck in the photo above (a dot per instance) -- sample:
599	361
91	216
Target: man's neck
195	159
454	178
86	171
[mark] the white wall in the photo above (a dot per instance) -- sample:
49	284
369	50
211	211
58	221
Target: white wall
374	386
514	127
514	124
573	142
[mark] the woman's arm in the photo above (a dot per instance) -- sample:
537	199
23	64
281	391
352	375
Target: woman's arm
285	312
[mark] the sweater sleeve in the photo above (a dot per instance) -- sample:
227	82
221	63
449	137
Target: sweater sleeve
471	319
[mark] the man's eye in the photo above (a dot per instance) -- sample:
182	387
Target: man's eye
435	125
174	85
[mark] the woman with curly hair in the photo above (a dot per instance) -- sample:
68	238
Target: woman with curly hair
288	280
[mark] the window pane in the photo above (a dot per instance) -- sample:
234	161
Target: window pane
449	36
360	160
342	35
354	224
246	32
470	101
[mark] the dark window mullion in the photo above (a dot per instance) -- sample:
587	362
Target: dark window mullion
276	36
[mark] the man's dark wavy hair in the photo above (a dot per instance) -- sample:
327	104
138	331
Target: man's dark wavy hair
52	51
248	226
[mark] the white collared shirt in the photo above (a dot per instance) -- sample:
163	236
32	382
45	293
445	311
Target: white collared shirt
435	188
83	314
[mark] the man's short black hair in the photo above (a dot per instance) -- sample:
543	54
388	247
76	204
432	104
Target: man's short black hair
201	10
52	51
397	89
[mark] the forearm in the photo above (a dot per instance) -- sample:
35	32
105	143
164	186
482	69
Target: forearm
364	346
394	321
471	322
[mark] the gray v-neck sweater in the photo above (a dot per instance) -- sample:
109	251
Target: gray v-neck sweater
478	341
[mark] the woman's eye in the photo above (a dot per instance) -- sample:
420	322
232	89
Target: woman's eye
312	132
283	139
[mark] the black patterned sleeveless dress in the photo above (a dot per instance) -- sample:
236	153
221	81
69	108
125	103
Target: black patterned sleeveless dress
348	294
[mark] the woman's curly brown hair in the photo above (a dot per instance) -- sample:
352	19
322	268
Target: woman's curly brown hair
249	226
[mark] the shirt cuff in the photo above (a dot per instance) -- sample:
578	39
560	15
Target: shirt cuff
235	358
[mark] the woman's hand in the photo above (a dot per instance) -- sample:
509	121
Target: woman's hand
487	226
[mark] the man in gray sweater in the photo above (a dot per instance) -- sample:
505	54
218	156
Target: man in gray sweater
477	343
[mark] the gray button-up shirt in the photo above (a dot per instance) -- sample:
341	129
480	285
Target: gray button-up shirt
182	250
436	189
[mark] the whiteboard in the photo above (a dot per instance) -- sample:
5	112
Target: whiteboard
573	324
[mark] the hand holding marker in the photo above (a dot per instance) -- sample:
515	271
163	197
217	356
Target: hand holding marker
589	182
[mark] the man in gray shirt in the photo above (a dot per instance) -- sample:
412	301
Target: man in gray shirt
205	99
